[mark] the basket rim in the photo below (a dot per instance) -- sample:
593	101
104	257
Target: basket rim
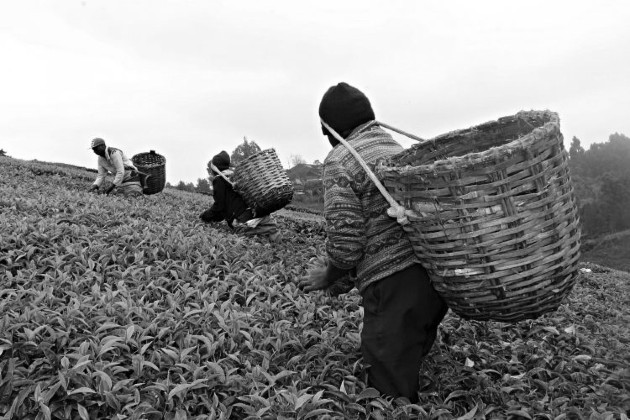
249	168
143	154
551	126
256	156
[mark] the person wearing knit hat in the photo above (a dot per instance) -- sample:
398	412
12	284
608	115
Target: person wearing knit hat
402	310
344	108
230	206
113	161
221	161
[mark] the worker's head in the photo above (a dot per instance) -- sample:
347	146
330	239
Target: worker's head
221	161
98	146
344	108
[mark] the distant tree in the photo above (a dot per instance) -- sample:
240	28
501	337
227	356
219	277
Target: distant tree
618	138
203	186
168	185
295	160
601	180
615	203
317	163
243	151
576	150
2	152
593	221
609	157
620	152
576	156
186	186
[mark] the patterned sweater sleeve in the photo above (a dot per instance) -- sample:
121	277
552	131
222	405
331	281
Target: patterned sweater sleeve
345	223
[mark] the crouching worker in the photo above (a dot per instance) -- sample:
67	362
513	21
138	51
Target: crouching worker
230	206
113	161
402	310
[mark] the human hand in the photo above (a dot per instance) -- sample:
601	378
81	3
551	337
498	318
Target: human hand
315	279
324	275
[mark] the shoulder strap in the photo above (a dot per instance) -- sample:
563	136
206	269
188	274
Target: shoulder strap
395	209
214	168
411	136
111	150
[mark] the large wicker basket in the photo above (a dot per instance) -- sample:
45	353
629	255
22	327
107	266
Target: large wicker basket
152	164
262	182
493	215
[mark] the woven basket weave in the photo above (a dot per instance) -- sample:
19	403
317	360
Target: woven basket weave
152	164
493	215
262	182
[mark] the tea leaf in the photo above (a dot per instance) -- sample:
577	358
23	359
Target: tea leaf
82	390
108	344
83	413
182	388
368	393
469	415
45	411
317	413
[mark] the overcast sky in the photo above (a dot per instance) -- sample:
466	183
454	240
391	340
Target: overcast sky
191	78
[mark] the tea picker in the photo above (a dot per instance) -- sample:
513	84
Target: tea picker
490	212
402	310
111	160
246	196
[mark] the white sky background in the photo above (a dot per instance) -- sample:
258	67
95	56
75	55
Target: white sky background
191	78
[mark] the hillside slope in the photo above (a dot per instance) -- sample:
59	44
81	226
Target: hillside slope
610	251
116	308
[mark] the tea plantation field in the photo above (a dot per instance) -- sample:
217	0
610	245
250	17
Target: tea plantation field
133	309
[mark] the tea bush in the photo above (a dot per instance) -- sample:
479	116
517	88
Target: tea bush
129	309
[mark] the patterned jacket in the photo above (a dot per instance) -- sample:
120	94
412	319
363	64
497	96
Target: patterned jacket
360	234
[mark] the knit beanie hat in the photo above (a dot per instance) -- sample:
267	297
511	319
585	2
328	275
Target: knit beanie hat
221	161
344	108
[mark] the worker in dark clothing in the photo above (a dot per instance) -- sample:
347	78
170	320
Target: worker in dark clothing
230	206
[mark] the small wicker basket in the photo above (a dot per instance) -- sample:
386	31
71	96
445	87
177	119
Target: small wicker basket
151	164
493	216
262	182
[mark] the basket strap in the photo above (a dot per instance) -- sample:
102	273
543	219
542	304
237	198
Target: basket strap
214	168
399	131
395	209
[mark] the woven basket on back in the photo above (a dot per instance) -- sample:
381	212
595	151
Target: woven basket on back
262	182
152	164
493	215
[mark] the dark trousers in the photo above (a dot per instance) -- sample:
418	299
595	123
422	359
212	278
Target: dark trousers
401	316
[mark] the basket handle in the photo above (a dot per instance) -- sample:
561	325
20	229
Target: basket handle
395	209
399	131
214	168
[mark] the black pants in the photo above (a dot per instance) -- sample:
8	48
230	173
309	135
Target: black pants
401	316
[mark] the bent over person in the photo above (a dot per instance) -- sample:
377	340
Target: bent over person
113	161
402	310
230	206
